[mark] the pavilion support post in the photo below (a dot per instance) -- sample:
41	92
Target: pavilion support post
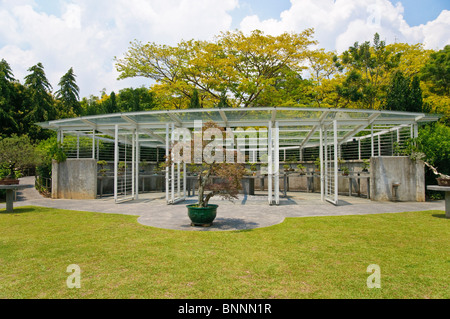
93	144
371	142
322	176
133	165
172	173
359	149
379	145
167	159
116	160
270	163
336	184
137	160
277	163
78	146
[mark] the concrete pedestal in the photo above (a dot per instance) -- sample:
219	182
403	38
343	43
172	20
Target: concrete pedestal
10	195
445	189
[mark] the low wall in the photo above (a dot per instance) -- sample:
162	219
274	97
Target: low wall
74	179
389	170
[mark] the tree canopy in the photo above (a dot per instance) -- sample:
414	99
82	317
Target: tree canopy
242	66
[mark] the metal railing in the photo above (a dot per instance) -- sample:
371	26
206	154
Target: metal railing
43	185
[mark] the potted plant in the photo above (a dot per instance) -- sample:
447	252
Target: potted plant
286	168
340	163
443	179
214	179
301	169
345	171
253	168
16	153
102	169
317	164
366	165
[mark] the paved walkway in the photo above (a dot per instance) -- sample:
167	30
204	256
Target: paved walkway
246	213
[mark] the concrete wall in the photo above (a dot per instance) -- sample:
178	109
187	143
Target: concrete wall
74	179
387	170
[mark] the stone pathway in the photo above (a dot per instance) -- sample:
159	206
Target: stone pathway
248	212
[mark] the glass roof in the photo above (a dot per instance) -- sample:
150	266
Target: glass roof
298	126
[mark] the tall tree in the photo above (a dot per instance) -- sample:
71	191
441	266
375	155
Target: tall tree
244	66
372	62
415	100
398	93
68	94
8	123
41	104
437	71
194	103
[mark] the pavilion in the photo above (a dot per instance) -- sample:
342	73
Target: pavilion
326	130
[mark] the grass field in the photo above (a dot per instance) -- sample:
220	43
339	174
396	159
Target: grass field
317	257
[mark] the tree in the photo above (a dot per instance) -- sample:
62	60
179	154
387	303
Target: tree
372	62
242	66
415	100
194	102
17	152
40	94
134	100
227	176
7	119
69	94
437	71
399	93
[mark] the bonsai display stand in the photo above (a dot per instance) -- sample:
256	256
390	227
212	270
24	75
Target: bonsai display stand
10	195
445	189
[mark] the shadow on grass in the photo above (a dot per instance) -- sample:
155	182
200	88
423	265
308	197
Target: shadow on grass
440	216
18	210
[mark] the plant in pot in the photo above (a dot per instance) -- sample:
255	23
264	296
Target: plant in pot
286	168
317	164
365	165
301	169
16	153
214	178
345	170
102	171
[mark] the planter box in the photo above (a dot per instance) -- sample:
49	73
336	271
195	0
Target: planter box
443	181
9	182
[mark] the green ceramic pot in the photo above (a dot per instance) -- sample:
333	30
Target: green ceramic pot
202	216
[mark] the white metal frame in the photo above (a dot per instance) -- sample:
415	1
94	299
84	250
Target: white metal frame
317	127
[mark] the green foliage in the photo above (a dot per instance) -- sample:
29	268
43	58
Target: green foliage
49	150
404	94
434	142
195	101
68	94
366	64
437	71
17	152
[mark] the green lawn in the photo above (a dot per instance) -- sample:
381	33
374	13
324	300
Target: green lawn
317	257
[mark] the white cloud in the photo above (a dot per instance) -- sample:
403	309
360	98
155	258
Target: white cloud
87	35
340	23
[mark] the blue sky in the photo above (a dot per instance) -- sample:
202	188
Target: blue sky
87	34
416	11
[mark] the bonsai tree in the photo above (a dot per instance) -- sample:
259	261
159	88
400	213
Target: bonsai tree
102	170
17	153
366	165
227	176
345	170
301	168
